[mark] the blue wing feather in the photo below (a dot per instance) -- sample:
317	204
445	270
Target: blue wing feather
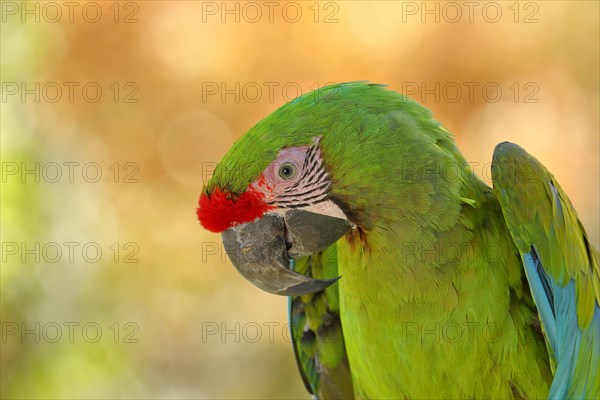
560	265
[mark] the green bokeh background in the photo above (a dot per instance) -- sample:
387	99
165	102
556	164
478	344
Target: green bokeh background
196	328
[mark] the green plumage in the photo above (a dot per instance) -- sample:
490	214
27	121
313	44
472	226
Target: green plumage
434	301
317	331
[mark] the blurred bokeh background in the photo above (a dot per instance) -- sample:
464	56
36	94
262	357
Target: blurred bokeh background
114	113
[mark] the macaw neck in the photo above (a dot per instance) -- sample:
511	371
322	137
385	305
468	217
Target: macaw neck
401	180
420	232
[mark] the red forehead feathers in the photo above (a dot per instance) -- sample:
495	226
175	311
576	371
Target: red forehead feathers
221	210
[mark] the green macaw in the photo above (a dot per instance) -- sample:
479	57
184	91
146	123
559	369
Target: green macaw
448	289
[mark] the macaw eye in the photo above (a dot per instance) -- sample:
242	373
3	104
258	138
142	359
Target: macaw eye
287	170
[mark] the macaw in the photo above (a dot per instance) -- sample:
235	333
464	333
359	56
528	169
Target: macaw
408	276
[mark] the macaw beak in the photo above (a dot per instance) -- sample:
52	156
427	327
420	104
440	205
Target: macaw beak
261	251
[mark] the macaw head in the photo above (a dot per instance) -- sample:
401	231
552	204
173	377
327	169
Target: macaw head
303	177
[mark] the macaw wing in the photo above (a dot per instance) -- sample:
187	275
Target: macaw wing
561	268
316	331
